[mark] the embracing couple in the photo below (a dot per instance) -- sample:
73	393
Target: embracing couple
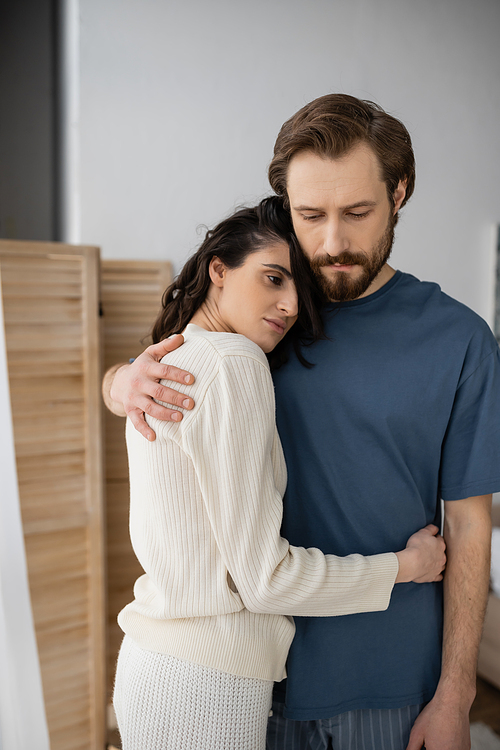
291	464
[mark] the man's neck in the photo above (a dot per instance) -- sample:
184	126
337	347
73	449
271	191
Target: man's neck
379	281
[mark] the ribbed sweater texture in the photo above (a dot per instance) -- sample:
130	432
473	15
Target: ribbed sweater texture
220	584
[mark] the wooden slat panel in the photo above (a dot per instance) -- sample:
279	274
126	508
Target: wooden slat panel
37	338
50	298
131	297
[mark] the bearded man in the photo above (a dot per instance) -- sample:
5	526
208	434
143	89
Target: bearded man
400	411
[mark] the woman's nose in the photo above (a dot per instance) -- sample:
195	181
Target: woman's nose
289	304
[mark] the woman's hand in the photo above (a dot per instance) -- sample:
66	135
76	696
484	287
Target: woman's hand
424	558
134	389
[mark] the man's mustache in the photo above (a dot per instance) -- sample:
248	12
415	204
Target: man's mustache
343	259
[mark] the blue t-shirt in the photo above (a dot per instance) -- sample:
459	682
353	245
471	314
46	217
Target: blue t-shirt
401	409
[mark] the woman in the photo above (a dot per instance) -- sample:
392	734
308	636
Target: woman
209	629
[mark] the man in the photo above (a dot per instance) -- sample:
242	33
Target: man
401	409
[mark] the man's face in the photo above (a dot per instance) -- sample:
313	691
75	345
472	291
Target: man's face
343	219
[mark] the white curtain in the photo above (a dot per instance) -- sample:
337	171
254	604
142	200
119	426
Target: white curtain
23	724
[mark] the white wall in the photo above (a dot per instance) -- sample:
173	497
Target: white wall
180	103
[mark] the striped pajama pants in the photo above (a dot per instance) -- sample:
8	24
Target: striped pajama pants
363	729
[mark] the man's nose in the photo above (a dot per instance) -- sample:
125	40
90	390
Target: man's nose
335	240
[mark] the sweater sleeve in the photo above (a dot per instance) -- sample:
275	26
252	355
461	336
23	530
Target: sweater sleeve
230	442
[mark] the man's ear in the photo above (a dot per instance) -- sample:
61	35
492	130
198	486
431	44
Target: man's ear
399	195
217	271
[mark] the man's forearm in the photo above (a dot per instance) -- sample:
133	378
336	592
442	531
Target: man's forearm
115	406
444	722
467	532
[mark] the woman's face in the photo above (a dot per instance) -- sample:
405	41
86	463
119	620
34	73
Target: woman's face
258	299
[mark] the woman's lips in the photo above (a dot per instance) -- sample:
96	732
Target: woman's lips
277	325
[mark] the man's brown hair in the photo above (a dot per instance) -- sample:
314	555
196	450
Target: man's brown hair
331	126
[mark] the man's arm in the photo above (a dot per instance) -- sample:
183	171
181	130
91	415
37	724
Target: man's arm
133	389
107	383
444	723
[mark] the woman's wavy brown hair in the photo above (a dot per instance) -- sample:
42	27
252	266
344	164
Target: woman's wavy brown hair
246	231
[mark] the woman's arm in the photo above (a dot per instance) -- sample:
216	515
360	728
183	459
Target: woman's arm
232	442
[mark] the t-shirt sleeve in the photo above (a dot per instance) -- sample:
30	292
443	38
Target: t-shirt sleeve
231	443
470	460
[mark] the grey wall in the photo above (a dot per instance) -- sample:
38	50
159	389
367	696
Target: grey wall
175	107
27	112
180	104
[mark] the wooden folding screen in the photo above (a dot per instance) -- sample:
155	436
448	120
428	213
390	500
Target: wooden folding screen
131	294
51	306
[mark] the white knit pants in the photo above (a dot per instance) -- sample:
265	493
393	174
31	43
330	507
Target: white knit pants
163	703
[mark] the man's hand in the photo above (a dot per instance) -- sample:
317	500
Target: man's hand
132	390
441	727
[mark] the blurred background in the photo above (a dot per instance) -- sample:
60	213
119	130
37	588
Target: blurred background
130	123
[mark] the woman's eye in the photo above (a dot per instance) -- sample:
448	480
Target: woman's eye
275	280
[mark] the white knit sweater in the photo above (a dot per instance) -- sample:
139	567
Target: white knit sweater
220	582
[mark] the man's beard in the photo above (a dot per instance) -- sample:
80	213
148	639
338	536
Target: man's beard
342	287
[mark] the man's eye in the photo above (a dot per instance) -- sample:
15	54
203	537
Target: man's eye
310	218
358	216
